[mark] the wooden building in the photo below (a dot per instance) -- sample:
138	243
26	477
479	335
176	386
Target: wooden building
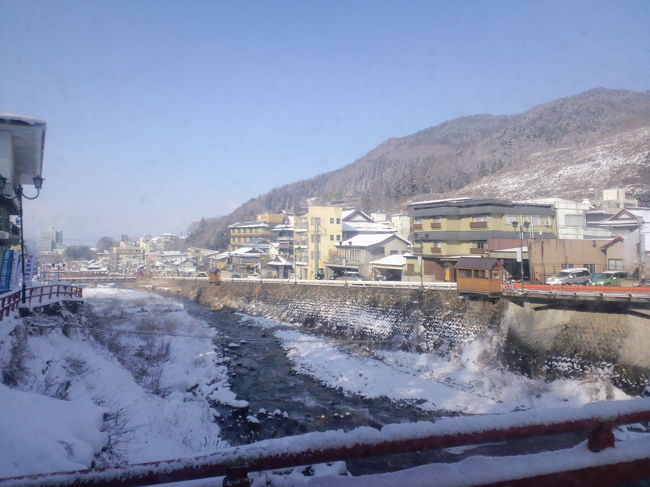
479	276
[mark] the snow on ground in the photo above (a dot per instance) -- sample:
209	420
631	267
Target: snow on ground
469	382
151	391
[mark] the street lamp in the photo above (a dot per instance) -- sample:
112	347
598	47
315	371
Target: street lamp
525	225
19	195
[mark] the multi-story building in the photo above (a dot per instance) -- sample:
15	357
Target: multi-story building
243	233
284	237
50	240
445	230
128	257
316	232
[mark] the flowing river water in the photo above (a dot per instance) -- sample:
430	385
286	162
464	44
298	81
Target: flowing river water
261	374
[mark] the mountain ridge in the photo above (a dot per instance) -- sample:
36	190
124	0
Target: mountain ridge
474	154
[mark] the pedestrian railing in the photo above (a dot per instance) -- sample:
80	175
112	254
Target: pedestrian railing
37	296
597	461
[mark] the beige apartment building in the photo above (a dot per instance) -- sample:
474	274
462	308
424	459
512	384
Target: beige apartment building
317	232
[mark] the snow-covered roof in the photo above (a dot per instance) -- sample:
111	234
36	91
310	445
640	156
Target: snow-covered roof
460	198
369	227
396	260
281	261
251	224
369	239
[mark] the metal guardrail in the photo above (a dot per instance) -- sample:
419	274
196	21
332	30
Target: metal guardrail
36	295
235	463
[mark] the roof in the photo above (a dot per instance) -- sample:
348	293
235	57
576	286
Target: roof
368	227
28	140
369	239
611	242
251	224
396	260
476	263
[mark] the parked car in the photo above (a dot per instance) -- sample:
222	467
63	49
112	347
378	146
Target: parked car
609	278
575	276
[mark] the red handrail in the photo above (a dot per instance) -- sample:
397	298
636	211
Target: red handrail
34	296
312	448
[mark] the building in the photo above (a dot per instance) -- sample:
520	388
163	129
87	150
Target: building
21	163
356	254
283	235
633	226
317	231
50	240
570	217
445	230
126	258
243	233
356	222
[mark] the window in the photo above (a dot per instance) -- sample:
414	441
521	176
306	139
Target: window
508	219
465	273
615	264
479	218
331	220
338	237
480	244
332	238
315	221
480	274
573	220
591	267
394	252
338	220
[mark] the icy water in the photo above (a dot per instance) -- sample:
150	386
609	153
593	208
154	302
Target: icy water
261	374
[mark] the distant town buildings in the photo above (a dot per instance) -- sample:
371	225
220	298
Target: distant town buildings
50	240
540	237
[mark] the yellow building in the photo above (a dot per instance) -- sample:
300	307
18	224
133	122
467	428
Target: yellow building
271	218
316	234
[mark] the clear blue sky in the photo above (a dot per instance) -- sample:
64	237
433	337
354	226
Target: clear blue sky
160	112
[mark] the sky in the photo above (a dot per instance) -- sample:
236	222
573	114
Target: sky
161	112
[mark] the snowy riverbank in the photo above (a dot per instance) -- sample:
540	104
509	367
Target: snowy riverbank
108	387
469	380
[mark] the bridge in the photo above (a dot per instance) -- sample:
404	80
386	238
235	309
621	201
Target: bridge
12	302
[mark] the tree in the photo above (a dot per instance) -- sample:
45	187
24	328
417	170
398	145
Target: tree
105	244
79	252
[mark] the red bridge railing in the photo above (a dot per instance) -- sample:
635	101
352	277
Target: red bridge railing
235	463
36	296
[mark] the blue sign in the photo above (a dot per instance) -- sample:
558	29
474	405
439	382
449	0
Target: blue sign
5	270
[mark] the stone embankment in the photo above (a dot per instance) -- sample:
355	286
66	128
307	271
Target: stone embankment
537	341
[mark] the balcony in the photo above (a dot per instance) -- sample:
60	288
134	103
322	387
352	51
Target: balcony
476	250
417	226
417	250
435	250
435	225
478	225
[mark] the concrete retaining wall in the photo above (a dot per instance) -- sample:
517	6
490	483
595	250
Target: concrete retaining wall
539	342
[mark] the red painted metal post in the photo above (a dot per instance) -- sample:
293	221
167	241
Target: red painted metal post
602	437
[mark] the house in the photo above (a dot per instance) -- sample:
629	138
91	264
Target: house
445	230
283	235
357	221
633	225
357	253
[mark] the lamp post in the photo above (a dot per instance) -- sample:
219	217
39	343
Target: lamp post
515	225
19	195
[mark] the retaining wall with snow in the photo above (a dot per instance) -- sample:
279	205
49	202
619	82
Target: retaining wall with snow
547	343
